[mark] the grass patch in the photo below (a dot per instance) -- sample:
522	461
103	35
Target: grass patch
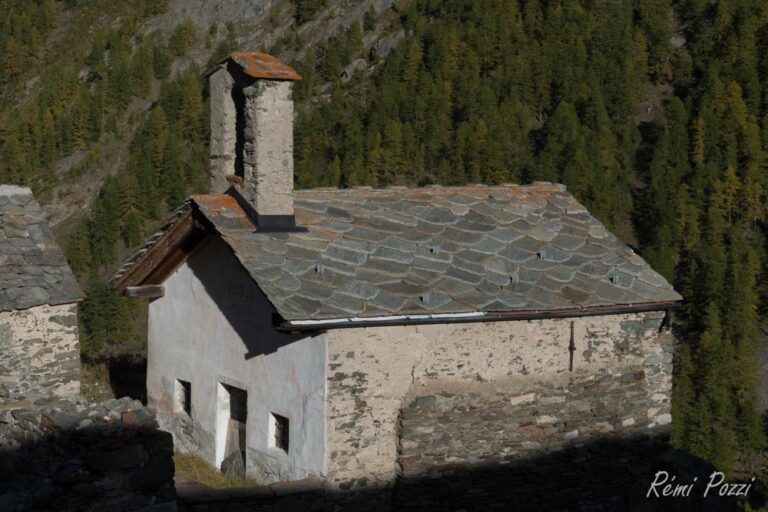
192	466
94	382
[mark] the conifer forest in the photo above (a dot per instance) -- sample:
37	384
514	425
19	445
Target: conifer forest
654	114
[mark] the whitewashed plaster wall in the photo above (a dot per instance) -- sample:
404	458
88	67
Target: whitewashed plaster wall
212	327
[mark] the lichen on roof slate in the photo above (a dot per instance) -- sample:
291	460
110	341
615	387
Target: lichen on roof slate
258	65
436	250
33	269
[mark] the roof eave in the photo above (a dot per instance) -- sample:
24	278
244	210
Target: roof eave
443	318
52	303
180	240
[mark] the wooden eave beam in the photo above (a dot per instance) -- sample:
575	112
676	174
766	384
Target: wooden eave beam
177	257
173	249
151	291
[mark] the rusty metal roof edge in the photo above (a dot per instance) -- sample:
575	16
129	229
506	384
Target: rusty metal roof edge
479	316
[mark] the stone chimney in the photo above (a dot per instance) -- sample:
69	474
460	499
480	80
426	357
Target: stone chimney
252	134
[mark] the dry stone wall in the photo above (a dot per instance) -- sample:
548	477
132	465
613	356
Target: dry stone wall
39	354
495	424
74	456
488	391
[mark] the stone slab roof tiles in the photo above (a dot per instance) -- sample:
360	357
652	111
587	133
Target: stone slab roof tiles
437	250
33	269
259	65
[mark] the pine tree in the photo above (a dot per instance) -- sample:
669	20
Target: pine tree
369	19
77	250
699	144
683	398
726	193
354	40
183	37
81	123
173	182
412	64
306	9
130	217
14	55
142	71
740	327
13	169
161	62
102	228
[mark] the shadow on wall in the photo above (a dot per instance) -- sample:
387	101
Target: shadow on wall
238	298
604	475
232	290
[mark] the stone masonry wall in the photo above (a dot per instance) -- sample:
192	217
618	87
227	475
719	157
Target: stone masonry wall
75	456
268	157
451	381
266	134
39	354
223	119
497	423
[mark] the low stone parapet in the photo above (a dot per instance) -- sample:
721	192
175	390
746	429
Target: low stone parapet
491	423
74	455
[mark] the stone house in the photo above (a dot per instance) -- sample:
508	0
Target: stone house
39	352
357	335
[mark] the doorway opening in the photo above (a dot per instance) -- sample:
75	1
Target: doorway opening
231	420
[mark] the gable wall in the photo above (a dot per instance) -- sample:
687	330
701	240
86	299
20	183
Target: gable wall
415	399
39	354
214	326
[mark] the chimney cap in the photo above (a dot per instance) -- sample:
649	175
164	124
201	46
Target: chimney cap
258	65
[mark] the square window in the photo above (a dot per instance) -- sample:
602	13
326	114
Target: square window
279	432
184	396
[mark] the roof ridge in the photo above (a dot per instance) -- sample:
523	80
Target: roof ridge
535	186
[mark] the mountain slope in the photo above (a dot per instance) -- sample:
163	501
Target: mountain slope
67	117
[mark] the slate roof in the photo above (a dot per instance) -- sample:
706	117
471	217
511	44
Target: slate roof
258	65
33	269
436	250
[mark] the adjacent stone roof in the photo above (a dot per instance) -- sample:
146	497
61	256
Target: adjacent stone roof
259	65
438	250
33	269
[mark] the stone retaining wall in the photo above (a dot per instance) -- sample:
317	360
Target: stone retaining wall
493	424
71	455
